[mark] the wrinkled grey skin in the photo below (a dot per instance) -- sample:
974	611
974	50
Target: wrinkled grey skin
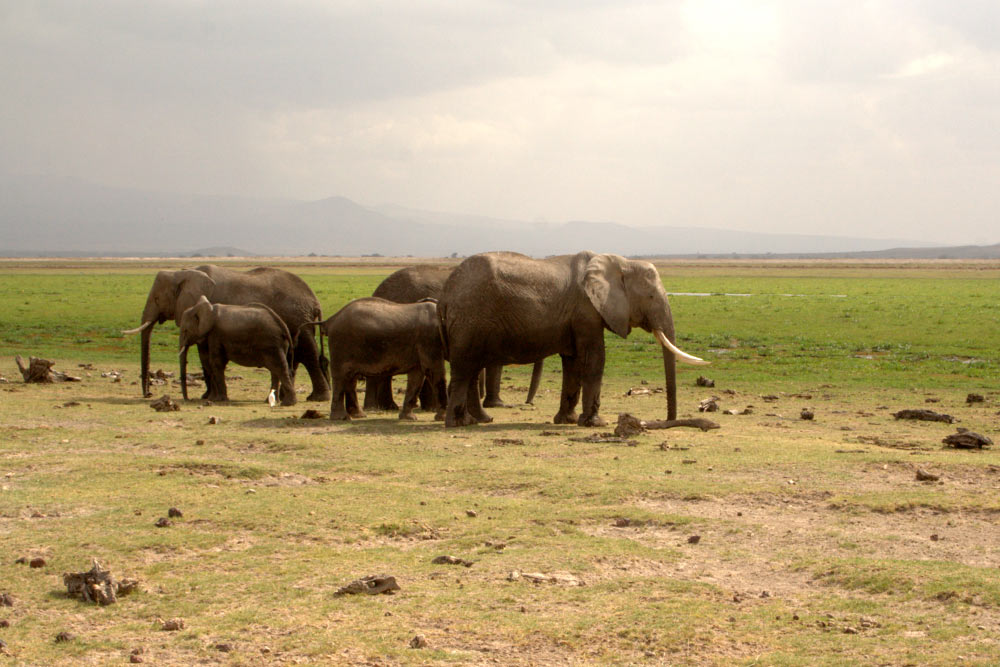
289	296
251	336
372	336
501	308
410	285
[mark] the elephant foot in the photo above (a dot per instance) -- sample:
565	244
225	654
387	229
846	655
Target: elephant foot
439	416
465	420
562	418
340	417
592	420
357	414
494	402
288	402
407	416
320	396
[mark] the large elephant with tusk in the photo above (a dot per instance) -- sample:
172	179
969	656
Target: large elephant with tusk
285	293
504	307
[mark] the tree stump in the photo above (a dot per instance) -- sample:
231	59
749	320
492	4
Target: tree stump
40	371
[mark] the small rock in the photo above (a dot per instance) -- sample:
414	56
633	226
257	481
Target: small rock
703	381
850	631
709	404
64	637
452	560
806	414
199	443
135	658
966	439
418	641
4	623
224	648
471	513
694	539
174	513
173	625
163	522
924	476
974	398
935	537
22	560
164	404
6	600
214	420
36	562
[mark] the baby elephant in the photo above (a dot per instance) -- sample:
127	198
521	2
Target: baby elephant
372	336
250	335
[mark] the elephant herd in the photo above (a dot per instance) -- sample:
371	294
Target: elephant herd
492	310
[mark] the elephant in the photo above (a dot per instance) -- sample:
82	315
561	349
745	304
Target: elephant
504	307
289	296
409	285
250	335
372	336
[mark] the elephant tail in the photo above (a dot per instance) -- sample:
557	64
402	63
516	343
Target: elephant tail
442	330
324	362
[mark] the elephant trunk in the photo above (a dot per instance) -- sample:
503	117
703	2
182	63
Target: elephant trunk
670	380
184	375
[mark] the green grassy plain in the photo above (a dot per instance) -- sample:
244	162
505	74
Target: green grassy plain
817	545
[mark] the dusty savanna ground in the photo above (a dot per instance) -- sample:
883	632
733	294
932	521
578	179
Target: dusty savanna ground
771	540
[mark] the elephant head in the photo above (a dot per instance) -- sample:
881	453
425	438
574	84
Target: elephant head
629	293
195	323
172	293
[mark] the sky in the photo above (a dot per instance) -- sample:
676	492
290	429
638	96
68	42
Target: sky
872	119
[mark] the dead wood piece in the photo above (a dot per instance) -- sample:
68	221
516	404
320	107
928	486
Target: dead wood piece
748	410
924	415
604	438
373	584
703	424
561	578
967	440
924	476
40	371
628	425
452	560
501	442
974	398
164	404
703	381
638	391
97	585
709	404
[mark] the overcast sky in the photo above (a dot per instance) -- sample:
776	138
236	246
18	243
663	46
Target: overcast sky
877	119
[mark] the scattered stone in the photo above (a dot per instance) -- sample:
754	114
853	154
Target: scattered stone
312	414
64	637
452	560
966	439
174	513
135	659
6	600
97	585
214	420
703	381
503	442
770	398
163	522
224	647
471	513
806	414
694	539
935	537
36	563
370	585
4	623
924	476
974	398
418	641
22	560
71	404
710	404
173	625
748	410
924	415
561	578
164	404
628	426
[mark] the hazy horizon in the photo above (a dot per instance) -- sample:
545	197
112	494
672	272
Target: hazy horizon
869	120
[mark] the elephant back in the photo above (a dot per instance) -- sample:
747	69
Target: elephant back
413	283
283	292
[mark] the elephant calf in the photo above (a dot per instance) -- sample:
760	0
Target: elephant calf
372	336
250	335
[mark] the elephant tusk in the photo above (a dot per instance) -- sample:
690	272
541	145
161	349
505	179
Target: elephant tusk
129	332
678	353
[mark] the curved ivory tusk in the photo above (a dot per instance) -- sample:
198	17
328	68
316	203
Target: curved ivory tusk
678	353
138	329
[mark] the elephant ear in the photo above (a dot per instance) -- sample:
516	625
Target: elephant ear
191	284
604	283
206	315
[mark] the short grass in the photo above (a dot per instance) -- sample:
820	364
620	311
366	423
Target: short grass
816	543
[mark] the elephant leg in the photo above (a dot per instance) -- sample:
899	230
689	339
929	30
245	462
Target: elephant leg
536	378
428	397
461	391
494	374
220	392
351	399
378	393
206	371
338	391
435	379
570	392
281	380
414	380
307	354
591	370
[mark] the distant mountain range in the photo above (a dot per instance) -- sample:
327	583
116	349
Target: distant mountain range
48	216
